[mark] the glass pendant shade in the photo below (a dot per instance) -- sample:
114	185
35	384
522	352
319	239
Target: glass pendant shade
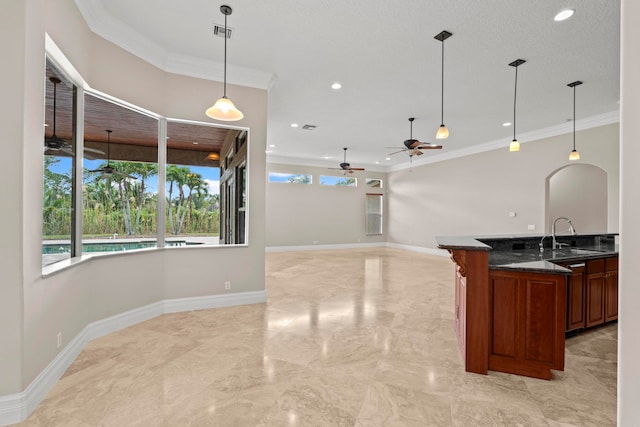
574	155
443	132
514	146
224	110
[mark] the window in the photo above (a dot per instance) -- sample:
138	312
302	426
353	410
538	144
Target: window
374	210
373	183
193	181
120	177
338	181
122	202
58	220
292	178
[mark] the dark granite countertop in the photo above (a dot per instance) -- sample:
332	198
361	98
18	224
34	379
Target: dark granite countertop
521	253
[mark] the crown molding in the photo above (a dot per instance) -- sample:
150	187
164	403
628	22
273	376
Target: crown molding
102	23
537	135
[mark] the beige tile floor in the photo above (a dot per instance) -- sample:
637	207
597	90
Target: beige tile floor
347	338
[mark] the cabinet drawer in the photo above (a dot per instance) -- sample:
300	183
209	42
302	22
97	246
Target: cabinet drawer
611	264
595	266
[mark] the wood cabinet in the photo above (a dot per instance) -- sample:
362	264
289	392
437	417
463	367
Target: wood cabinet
595	293
526	322
610	289
592	292
575	295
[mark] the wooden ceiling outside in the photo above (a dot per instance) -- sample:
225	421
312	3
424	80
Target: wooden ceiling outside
130	128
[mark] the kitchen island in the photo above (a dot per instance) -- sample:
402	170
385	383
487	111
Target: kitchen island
516	297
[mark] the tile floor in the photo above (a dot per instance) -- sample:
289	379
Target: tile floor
347	338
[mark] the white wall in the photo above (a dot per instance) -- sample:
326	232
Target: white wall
300	214
11	116
34	309
578	192
629	318
474	195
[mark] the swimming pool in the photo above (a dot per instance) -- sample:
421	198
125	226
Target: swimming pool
61	248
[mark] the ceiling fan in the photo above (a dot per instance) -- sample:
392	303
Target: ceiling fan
413	147
346	167
54	142
109	170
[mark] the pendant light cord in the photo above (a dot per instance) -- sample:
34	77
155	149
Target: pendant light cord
574	118
515	94
225	57
442	87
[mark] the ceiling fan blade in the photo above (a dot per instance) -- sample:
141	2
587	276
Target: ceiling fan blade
356	169
429	147
396	152
125	175
418	152
94	150
97	170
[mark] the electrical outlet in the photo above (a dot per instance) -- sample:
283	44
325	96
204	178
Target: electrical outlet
59	340
531	227
227	285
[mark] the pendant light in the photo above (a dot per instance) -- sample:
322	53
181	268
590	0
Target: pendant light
574	155
224	109
443	132
515	145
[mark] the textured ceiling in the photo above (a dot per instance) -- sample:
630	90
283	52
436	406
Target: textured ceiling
384	55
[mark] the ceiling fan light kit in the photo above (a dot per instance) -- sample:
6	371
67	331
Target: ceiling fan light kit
346	167
443	131
515	145
224	109
414	147
574	155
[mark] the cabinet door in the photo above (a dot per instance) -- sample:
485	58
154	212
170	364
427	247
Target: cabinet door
610	296
575	297
595	299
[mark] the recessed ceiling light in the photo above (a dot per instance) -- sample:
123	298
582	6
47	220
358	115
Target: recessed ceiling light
388	158
564	14
326	157
336	86
195	143
506	124
294	125
377	163
272	146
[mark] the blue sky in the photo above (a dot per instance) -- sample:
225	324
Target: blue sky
210	175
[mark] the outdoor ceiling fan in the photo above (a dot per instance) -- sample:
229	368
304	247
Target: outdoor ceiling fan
54	142
413	147
346	167
109	170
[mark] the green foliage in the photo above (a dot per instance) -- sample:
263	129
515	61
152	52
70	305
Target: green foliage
117	204
300	179
345	182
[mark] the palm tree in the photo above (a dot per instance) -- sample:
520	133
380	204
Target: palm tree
143	171
177	178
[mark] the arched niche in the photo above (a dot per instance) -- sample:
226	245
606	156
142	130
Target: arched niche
579	192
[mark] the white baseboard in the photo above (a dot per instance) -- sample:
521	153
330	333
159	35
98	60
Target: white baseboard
430	251
15	408
325	247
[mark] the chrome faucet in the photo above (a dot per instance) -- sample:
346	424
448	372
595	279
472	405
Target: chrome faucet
554	244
